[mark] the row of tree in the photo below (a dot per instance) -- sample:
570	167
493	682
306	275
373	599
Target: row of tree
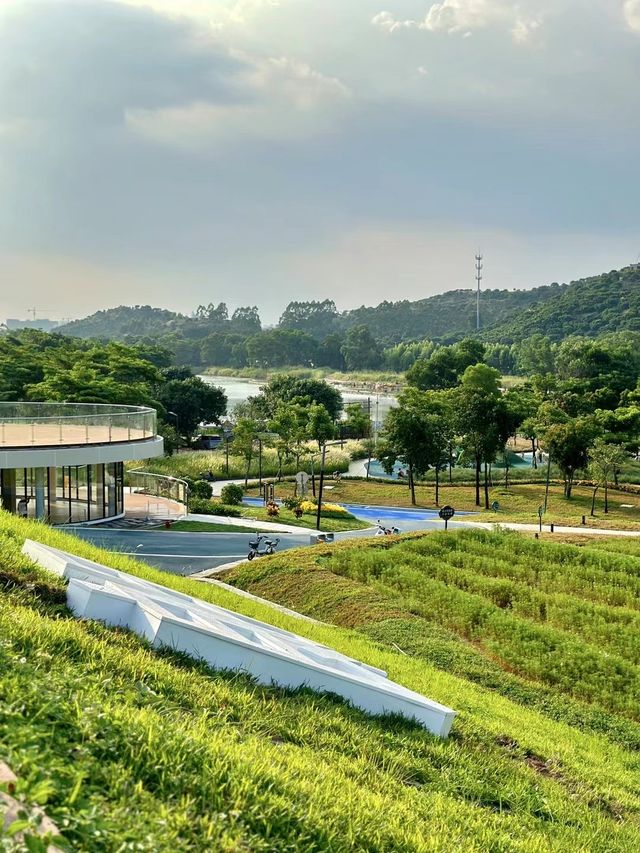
50	367
470	422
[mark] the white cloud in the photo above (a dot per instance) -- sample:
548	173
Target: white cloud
287	99
464	17
297	83
386	21
202	143
631	11
238	12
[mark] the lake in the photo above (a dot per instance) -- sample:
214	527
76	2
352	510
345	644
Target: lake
238	390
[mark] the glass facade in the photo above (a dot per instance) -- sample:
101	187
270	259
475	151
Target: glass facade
64	495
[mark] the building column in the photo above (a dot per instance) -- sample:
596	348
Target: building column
9	490
40	507
52	491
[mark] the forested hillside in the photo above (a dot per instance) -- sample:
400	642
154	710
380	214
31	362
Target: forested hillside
391	335
592	306
122	323
446	317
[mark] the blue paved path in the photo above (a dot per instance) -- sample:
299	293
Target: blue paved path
403	518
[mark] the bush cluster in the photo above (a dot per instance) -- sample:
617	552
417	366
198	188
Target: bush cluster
232	494
328	510
201	506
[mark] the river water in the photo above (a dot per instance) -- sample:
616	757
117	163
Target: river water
238	390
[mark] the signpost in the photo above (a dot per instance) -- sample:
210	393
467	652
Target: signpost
540	514
302	479
445	514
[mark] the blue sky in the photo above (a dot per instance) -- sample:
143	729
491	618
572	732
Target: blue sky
174	152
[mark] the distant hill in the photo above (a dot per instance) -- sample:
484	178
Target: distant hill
591	306
446	317
123	322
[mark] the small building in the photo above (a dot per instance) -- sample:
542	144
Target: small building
207	442
64	462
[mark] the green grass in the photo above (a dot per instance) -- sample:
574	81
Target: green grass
195	463
519	503
364	377
212	527
286	516
565	618
130	748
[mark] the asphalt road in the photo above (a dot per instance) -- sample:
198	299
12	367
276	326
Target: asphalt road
181	553
186	553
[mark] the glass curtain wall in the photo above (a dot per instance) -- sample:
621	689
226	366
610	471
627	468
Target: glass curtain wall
64	495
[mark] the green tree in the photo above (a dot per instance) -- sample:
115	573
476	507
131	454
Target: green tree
445	366
530	429
605	461
294	389
357	423
320	425
416	433
361	350
288	424
315	318
194	402
246	321
482	420
330	352
568	445
245	434
535	355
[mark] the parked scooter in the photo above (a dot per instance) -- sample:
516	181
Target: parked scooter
386	531
270	546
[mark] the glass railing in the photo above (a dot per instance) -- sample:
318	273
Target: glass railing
158	485
67	424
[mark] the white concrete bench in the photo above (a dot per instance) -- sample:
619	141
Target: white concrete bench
228	640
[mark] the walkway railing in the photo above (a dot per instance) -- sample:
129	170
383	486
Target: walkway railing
68	424
159	486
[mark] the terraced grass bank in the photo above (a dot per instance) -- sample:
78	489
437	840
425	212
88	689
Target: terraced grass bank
132	749
563	617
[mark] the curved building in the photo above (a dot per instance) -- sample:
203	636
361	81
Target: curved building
63	462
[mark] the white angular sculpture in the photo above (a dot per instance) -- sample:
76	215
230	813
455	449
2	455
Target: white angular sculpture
227	640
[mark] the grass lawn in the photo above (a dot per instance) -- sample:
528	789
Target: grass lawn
328	525
518	504
213	527
128	747
199	463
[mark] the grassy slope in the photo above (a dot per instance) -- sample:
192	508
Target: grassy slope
564	618
128	746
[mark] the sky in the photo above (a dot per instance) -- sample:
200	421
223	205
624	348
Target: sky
178	152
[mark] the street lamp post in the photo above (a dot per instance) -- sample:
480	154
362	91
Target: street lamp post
324	450
173	415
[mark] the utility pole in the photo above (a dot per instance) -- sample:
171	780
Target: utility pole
369	440
478	280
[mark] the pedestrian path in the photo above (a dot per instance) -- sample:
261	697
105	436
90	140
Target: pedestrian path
535	528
